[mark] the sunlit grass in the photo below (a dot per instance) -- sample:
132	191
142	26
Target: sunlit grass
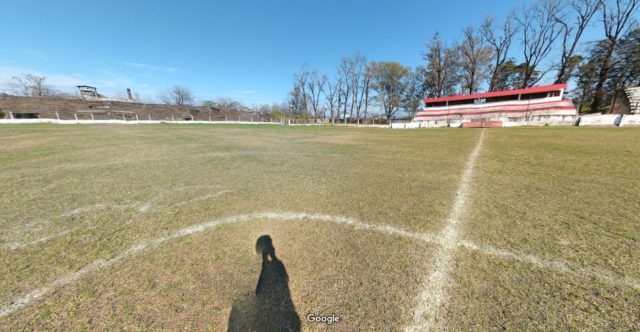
73	195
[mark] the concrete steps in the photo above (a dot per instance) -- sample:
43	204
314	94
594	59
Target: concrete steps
633	94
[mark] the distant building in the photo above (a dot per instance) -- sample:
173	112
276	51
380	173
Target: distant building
542	105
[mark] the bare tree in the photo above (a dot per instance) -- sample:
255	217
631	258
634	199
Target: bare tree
178	95
330	91
315	84
345	70
225	103
341	93
363	91
300	82
617	18
358	73
500	42
366	87
584	10
442	67
540	30
475	56
31	85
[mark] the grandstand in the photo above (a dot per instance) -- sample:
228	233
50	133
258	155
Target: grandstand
542	105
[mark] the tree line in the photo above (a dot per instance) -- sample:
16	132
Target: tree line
541	40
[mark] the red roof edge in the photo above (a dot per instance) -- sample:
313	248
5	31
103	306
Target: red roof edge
535	89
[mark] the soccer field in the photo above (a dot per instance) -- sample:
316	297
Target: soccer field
151	227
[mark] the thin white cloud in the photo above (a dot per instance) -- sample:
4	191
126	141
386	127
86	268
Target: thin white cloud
108	83
146	66
59	81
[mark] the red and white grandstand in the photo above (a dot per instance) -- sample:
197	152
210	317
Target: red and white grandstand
542	105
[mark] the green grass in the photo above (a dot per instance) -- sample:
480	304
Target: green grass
559	194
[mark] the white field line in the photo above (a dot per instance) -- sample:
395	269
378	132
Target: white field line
142	207
434	288
202	198
70	278
202	186
21	245
558	265
36	294
37	225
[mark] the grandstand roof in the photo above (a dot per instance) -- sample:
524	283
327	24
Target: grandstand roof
536	89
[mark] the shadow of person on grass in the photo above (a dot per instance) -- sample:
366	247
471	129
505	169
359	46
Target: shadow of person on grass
271	308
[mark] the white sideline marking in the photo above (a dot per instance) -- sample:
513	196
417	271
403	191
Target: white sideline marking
36	294
202	198
434	288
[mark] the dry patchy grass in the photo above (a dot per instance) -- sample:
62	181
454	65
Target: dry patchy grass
73	195
138	183
567	195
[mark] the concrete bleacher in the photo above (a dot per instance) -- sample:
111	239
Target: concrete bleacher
84	109
633	94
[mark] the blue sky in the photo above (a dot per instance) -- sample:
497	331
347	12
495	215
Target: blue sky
247	50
